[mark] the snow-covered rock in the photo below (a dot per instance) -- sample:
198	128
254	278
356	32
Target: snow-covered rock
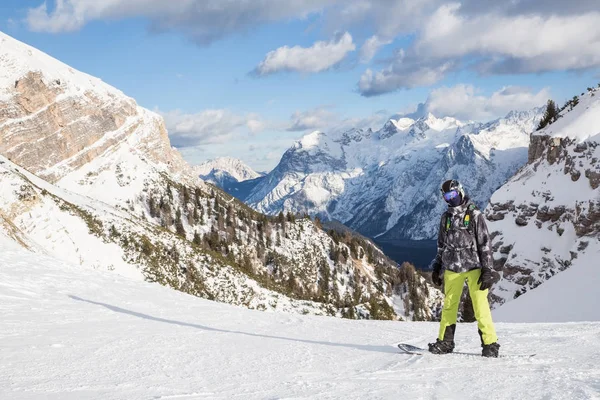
546	218
54	119
386	183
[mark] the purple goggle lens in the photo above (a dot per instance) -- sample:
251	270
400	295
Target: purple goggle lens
450	195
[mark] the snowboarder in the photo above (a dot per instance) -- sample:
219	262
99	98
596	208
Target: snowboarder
463	253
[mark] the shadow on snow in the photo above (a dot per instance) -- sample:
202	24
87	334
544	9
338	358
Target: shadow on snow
363	347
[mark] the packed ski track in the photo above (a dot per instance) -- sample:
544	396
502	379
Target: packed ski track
71	332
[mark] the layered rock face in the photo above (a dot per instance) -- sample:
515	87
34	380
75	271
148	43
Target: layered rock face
548	214
42	128
54	119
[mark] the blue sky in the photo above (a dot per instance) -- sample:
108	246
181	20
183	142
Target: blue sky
245	79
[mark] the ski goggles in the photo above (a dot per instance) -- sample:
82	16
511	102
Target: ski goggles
450	195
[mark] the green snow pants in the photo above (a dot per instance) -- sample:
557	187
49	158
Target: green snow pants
453	288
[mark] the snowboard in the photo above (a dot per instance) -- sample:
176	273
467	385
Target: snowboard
410	349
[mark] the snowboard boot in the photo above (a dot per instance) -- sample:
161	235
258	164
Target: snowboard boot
441	347
490	350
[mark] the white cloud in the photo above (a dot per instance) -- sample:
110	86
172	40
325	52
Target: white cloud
404	72
371	47
326	120
519	43
497	39
374	121
319	118
262	154
209	127
201	20
466	102
490	36
319	57
255	125
385	18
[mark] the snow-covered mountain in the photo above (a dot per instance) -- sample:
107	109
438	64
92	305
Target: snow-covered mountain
230	174
546	218
386	183
90	178
225	169
73	333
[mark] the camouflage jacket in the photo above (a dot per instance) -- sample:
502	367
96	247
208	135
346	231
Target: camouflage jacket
462	248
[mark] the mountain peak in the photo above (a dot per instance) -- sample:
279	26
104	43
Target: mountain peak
393	126
213	170
354	135
309	141
439	124
18	59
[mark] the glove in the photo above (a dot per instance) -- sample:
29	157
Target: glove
437	277
486	279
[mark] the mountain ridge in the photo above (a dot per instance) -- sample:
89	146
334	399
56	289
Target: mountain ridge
369	180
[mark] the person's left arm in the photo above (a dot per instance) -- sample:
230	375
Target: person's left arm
484	241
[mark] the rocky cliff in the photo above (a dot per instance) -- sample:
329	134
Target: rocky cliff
548	215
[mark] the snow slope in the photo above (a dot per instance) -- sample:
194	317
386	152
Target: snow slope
582	122
74	333
385	184
571	295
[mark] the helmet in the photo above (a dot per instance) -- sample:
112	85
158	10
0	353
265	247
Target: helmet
453	192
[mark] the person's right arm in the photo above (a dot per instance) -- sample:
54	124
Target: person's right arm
436	264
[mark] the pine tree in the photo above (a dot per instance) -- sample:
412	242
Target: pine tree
220	222
197	239
198	195
550	115
318	223
374	307
179	224
113	232
152	206
357	293
186	195
230	215
290	217
323	284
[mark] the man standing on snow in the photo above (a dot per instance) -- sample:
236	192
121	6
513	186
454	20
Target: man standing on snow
463	253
